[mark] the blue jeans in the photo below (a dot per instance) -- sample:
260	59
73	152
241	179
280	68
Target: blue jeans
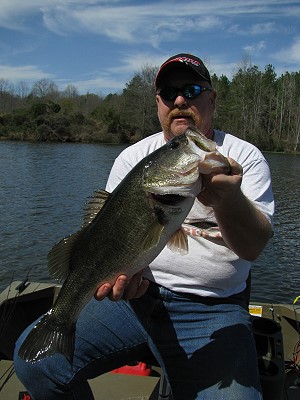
205	348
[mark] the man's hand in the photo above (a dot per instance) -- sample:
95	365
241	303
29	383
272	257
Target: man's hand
244	228
219	188
124	288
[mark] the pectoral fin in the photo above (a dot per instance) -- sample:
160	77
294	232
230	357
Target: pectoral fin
178	242
152	237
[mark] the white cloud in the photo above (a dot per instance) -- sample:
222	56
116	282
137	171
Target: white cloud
263	28
290	55
133	62
255	48
26	72
141	22
115	79
219	67
100	85
254	29
14	14
131	24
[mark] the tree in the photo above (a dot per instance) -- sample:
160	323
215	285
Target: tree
88	102
223	113
7	99
246	98
45	89
139	102
268	100
70	92
22	89
288	115
6	86
255	105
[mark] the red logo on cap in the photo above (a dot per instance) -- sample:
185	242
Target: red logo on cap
187	60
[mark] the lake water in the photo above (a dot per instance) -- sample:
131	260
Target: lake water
44	188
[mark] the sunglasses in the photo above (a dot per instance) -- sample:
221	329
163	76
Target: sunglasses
188	91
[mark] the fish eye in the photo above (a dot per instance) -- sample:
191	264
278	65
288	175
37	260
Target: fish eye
173	144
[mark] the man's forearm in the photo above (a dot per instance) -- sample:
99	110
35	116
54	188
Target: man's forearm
245	229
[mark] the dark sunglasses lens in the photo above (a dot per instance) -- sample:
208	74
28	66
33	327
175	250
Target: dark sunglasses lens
191	91
168	93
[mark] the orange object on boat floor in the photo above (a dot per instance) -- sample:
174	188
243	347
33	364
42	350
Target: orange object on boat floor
139	368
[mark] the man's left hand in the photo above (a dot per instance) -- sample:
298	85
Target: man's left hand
219	188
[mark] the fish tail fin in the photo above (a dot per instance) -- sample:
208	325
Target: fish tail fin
47	338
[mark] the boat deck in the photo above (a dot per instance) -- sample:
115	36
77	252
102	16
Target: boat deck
276	330
108	386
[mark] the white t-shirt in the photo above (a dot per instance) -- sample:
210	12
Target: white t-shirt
210	268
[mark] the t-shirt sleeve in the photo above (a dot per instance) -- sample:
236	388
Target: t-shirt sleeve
256	183
129	157
257	186
119	170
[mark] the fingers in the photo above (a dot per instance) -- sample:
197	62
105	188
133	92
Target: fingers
219	189
137	287
118	288
102	291
123	288
236	169
113	292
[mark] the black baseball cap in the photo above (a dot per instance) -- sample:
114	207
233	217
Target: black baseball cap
183	59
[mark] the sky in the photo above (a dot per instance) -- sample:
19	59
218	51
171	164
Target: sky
99	45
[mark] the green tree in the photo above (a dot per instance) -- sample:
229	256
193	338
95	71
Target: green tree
139	102
255	105
222	117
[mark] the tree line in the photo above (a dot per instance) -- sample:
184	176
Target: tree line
254	105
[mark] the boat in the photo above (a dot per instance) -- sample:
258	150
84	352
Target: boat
276	329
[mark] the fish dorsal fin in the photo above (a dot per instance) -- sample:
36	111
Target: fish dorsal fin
178	242
153	236
94	205
59	257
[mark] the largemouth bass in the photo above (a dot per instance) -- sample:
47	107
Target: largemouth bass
122	233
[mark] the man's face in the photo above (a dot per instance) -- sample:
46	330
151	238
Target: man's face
177	115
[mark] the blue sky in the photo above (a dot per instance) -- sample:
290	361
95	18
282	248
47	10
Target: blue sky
98	46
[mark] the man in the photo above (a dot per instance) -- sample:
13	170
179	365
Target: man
191	310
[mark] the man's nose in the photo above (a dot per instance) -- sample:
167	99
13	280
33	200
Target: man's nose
180	101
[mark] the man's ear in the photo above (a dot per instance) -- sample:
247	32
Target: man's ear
213	98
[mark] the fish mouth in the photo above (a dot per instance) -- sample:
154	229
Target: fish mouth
199	141
169	198
173	193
